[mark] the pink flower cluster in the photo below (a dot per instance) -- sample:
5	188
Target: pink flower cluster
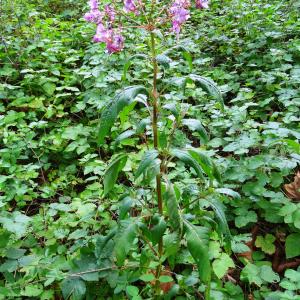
180	12
106	34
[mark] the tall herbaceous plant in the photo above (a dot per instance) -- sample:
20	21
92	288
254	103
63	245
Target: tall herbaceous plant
153	227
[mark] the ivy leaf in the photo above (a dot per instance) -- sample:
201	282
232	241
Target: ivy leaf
124	239
146	161
197	243
266	243
172	208
222	264
73	288
292	243
111	174
189	160
194	124
111	111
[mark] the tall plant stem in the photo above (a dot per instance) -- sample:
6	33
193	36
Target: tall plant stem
155	95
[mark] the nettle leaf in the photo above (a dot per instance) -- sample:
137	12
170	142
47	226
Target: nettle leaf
266	243
124	239
112	172
209	86
172	208
158	229
195	125
292	243
146	161
73	288
222	264
197	243
111	111
188	159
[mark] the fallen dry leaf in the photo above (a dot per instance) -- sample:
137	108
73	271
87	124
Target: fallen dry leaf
292	189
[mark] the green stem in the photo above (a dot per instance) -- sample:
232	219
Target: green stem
155	96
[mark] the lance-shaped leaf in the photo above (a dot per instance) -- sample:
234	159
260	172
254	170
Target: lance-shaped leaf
112	172
111	111
206	163
197	242
172	208
219	210
209	86
146	161
187	158
195	125
124	239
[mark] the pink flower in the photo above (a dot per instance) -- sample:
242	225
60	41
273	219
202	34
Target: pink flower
202	4
129	6
110	12
180	14
94	16
93	4
102	34
115	43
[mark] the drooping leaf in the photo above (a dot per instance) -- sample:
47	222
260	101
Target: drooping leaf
124	239
195	125
219	210
187	158
206	163
172	208
112	172
209	86
111	111
229	192
197	243
164	60
146	161
158	229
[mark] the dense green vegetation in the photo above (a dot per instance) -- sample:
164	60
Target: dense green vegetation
68	232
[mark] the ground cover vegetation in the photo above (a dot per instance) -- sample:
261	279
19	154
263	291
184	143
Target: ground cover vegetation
156	164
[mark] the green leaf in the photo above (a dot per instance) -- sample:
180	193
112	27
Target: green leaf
266	243
124	240
222	264
197	243
229	192
146	161
147	277
112	172
132	290
268	275
219	209
292	243
158	230
111	111
49	88
172	208
251	273
73	288
209	86
164	60
187	158
194	124
206	163
165	279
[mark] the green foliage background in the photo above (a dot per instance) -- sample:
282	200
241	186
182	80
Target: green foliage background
53	85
